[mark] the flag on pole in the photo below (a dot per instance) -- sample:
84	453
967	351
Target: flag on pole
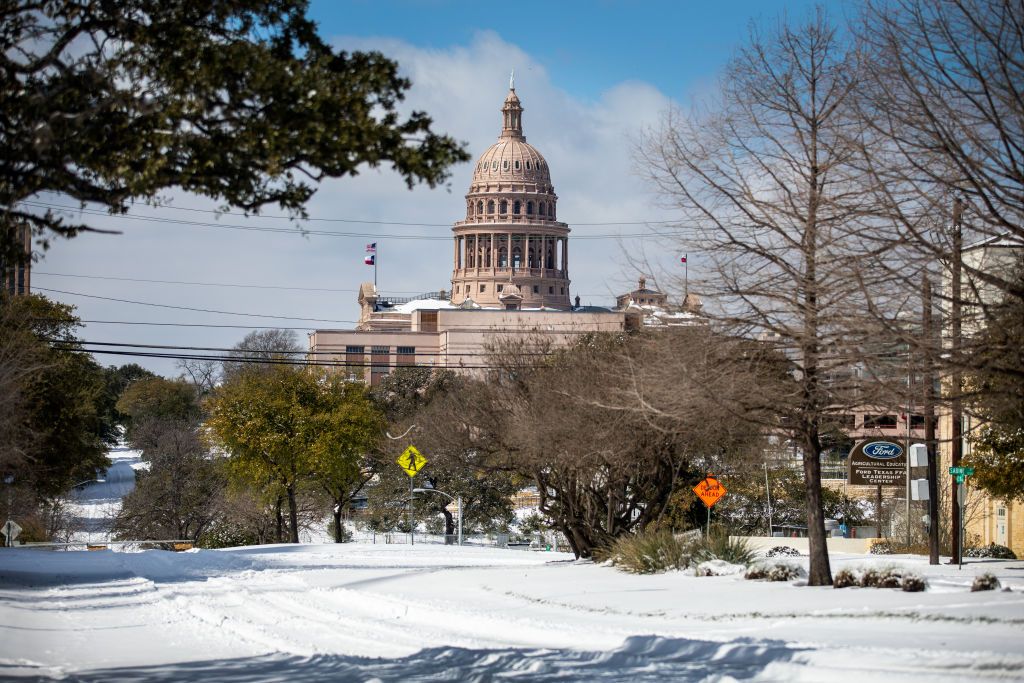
370	260
682	259
371	248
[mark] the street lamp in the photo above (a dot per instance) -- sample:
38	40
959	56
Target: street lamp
457	500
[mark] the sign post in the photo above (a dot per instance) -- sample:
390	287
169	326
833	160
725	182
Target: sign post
878	463
411	461
10	530
710	491
961	474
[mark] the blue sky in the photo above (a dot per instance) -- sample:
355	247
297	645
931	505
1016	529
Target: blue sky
587	47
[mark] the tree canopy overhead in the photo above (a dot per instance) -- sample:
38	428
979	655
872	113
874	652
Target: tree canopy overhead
238	100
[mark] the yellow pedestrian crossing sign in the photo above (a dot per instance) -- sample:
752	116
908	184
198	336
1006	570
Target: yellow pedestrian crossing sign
411	460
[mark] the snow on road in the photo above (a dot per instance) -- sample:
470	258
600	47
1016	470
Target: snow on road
94	504
430	612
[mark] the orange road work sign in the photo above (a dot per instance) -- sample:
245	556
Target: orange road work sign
710	490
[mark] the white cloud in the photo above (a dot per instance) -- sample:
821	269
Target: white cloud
587	145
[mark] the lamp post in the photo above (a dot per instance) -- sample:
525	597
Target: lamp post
9	480
457	500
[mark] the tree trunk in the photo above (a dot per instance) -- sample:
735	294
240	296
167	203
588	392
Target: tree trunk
293	514
819	572
337	524
449	525
279	518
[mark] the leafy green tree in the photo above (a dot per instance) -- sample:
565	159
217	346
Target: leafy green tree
287	427
59	434
116	380
152	402
237	100
998	383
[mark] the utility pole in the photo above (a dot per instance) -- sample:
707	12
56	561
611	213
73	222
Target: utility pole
956	404
929	422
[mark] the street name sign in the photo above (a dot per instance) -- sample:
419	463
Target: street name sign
962	471
411	460
710	490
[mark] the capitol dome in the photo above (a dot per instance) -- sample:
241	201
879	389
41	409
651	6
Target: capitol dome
510	250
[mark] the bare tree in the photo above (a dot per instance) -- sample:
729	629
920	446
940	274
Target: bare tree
769	196
261	349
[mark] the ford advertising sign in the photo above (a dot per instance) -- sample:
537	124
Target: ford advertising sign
883	450
876	462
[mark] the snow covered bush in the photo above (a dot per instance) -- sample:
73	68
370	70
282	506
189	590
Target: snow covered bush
844	578
985	582
882	577
993	550
651	552
912	583
718	568
773	571
782	551
882	548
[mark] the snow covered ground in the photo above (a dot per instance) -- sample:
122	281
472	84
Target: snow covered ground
432	612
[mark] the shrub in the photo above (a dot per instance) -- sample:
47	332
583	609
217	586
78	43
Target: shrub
773	571
844	578
719	546
651	552
782	551
912	583
993	550
984	582
883	548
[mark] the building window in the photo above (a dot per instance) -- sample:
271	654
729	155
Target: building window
503	207
511	307
917	421
551	210
879	422
406	355
516	207
479	207
563	290
380	362
529	208
527	165
540	208
490	206
551	290
483	288
494	165
517	164
536	289
501	288
504	165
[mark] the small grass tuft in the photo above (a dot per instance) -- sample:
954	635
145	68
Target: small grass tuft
912	583
651	552
844	578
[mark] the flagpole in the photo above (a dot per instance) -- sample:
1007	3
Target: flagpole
686	277
376	253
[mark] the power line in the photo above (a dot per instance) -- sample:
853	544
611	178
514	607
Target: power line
433	354
271	361
323	320
357	221
237	285
189	308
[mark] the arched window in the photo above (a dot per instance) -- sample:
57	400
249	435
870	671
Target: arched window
490	206
540	208
527	165
504	165
517	164
503	257
551	210
494	165
529	208
517	257
480	207
516	207
503	207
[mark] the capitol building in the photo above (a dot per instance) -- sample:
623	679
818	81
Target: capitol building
510	278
